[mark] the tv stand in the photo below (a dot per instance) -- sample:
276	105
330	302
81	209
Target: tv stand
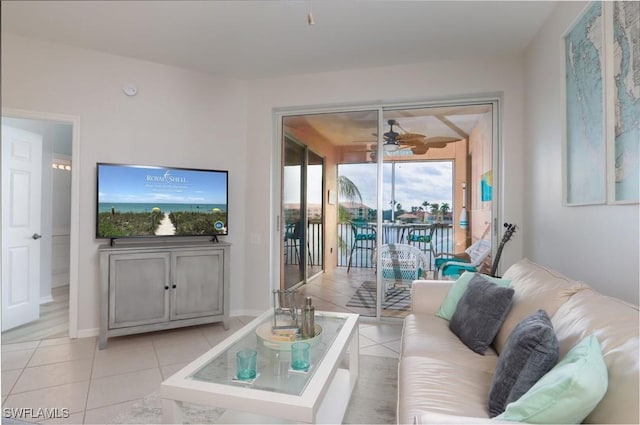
147	287
214	239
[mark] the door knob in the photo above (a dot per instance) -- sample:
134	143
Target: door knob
36	236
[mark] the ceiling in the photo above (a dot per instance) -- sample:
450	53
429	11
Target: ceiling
259	39
358	129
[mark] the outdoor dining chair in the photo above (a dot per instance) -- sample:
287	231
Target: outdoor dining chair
363	237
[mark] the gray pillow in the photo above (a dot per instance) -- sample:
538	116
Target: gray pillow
530	352
480	313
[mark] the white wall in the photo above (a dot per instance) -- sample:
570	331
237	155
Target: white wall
429	81
597	244
179	118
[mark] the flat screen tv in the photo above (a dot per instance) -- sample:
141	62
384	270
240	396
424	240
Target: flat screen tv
137	201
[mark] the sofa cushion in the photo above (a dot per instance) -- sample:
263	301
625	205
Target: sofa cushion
431	385
530	352
616	324
450	302
536	287
426	335
568	392
480	313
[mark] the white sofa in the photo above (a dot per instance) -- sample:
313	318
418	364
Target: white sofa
440	380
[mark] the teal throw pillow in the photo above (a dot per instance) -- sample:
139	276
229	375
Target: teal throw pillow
450	302
568	392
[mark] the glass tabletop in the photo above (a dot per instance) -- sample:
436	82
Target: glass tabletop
274	371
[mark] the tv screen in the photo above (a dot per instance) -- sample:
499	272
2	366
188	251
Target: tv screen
145	201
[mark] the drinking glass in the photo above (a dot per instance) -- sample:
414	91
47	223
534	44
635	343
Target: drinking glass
246	361
300	356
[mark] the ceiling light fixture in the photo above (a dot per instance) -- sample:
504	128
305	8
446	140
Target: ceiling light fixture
390	146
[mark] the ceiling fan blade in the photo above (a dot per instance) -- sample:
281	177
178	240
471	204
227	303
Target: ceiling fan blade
419	150
440	139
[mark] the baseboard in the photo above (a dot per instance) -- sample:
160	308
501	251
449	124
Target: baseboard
87	333
47	299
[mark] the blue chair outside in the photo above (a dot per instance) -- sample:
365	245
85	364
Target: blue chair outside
363	237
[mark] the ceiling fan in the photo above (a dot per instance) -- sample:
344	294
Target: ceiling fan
418	143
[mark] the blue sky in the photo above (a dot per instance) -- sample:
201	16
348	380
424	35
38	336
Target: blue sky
162	185
416	182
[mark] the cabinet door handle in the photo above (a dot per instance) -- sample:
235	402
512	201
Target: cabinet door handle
174	286
166	288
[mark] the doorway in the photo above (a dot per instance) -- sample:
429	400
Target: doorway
423	176
49	292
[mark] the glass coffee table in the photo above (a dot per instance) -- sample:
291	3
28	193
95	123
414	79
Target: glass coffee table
278	393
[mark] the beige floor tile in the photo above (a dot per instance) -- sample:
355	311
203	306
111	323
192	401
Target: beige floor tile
103	415
16	359
74	418
51	375
176	336
9	378
169	370
181	351
379	350
365	342
20	346
75	350
64	340
122	361
71	396
126	343
124	387
383	332
393	345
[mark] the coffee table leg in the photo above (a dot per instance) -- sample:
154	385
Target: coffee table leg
171	411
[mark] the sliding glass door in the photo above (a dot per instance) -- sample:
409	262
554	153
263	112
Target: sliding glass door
355	182
303	213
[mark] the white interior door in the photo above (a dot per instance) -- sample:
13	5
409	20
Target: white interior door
21	218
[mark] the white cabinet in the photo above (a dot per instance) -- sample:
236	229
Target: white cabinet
151	287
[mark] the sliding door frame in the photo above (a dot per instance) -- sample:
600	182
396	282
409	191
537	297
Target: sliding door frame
381	107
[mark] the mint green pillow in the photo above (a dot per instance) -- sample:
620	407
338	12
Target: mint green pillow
450	302
568	392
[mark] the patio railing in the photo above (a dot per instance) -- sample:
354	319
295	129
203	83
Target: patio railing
442	242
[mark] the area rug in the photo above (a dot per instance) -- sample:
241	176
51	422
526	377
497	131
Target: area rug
373	400
365	296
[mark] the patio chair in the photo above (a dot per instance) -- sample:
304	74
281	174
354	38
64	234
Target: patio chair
452	265
292	240
422	237
364	237
401	264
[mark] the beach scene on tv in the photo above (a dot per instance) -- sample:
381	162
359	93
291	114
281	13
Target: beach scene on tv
136	201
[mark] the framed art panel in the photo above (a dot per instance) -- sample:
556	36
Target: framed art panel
623	100
585	176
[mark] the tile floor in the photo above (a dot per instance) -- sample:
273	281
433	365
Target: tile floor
97	385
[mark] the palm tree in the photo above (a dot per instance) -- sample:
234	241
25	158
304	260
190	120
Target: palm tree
425	204
434	208
348	191
445	208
